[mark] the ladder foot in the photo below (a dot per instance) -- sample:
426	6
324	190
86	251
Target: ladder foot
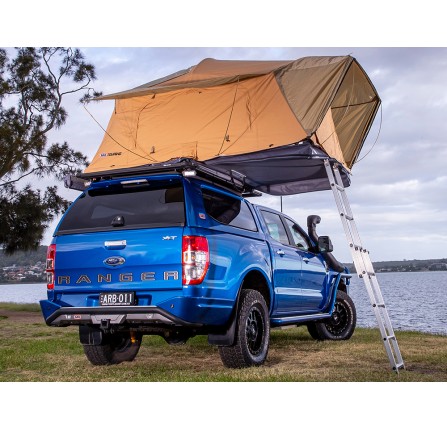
399	365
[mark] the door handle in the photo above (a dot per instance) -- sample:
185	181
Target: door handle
305	259
115	245
280	252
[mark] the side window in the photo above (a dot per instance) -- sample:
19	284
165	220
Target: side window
275	227
227	210
298	238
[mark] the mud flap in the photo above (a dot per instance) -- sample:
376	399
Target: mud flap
226	338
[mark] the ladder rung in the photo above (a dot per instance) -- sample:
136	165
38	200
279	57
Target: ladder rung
341	188
399	365
348	217
379	305
389	337
371	274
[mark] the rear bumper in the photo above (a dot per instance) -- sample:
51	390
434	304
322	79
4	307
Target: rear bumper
131	315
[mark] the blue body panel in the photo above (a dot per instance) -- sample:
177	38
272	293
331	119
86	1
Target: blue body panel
150	264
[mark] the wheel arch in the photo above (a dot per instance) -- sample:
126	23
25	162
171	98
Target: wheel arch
257	280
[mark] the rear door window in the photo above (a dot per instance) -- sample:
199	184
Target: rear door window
275	227
124	206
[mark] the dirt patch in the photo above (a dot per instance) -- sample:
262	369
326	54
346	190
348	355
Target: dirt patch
20	316
421	369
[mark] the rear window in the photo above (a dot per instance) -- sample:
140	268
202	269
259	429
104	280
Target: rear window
228	210
126	206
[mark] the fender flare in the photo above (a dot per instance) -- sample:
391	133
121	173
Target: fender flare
227	338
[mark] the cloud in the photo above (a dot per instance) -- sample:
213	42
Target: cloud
398	190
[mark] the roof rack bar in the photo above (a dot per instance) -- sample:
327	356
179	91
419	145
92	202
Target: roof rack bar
232	179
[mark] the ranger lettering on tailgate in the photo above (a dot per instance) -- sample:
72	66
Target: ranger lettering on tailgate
118	278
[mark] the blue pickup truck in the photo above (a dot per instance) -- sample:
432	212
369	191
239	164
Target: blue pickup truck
177	254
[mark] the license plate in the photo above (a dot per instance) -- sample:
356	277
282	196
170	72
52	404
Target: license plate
117	298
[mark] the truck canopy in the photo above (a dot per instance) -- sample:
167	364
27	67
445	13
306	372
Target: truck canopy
273	121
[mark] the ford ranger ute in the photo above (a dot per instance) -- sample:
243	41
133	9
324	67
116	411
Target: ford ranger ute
178	254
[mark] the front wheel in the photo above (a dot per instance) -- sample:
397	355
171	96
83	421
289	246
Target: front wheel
341	324
312	328
114	349
252	336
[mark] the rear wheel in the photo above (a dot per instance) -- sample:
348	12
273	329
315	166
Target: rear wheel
251	343
341	325
114	349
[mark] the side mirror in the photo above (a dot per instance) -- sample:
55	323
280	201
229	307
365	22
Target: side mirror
325	244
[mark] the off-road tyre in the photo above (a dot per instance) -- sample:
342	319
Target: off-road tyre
114	349
341	325
252	335
312	328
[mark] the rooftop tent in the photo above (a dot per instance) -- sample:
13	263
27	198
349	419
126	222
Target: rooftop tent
273	121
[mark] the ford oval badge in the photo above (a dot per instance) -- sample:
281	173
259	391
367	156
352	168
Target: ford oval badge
114	261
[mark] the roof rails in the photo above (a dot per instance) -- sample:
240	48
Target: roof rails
187	167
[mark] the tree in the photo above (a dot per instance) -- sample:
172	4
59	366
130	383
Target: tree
33	85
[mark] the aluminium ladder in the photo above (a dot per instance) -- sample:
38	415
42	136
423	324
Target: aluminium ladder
364	267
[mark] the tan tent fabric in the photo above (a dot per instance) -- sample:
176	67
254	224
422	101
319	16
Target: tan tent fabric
327	137
317	80
353	110
226	108
207	73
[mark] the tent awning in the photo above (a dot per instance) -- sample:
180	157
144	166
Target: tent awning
288	170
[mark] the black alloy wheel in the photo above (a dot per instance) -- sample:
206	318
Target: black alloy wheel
341	324
255	331
339	319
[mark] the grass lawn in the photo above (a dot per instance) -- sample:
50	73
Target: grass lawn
30	351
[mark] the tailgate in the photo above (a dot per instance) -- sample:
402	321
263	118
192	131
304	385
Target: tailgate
133	259
121	236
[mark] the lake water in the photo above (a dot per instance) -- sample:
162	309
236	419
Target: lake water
415	301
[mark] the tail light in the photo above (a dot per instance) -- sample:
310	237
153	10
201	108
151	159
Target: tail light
195	259
51	256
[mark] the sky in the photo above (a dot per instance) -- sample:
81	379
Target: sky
398	188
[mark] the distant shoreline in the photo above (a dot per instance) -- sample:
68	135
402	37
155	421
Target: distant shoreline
10	283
